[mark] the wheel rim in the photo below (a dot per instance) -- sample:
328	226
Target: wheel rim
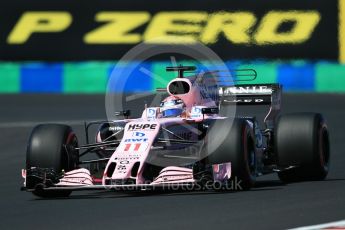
251	159
71	153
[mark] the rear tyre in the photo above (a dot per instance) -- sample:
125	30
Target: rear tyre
52	146
302	141
238	147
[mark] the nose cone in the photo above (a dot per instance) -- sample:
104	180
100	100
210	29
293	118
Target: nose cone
130	155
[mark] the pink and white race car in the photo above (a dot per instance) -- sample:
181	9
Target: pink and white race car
188	141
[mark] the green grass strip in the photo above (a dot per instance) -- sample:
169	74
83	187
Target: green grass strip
9	78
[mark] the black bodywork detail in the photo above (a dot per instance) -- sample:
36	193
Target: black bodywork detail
44	177
180	69
179	87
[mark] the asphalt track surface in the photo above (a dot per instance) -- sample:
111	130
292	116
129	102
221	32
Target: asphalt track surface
270	205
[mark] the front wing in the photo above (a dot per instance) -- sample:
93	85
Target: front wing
171	178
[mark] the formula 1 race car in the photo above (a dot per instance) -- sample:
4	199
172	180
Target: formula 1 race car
189	140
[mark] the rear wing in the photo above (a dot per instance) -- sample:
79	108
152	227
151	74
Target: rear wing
254	94
250	94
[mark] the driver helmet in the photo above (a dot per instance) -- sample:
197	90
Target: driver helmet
172	107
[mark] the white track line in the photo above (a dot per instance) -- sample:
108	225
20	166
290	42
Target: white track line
33	123
338	224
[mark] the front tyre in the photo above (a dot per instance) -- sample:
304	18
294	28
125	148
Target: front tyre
51	146
302	143
238	147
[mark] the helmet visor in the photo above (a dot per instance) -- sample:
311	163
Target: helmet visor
172	112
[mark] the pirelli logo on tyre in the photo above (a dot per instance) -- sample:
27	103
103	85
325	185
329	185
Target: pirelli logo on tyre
233	29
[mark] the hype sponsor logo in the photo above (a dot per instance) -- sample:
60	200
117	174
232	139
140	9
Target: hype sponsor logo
146	127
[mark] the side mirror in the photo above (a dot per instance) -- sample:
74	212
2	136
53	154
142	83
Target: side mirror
125	113
209	111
